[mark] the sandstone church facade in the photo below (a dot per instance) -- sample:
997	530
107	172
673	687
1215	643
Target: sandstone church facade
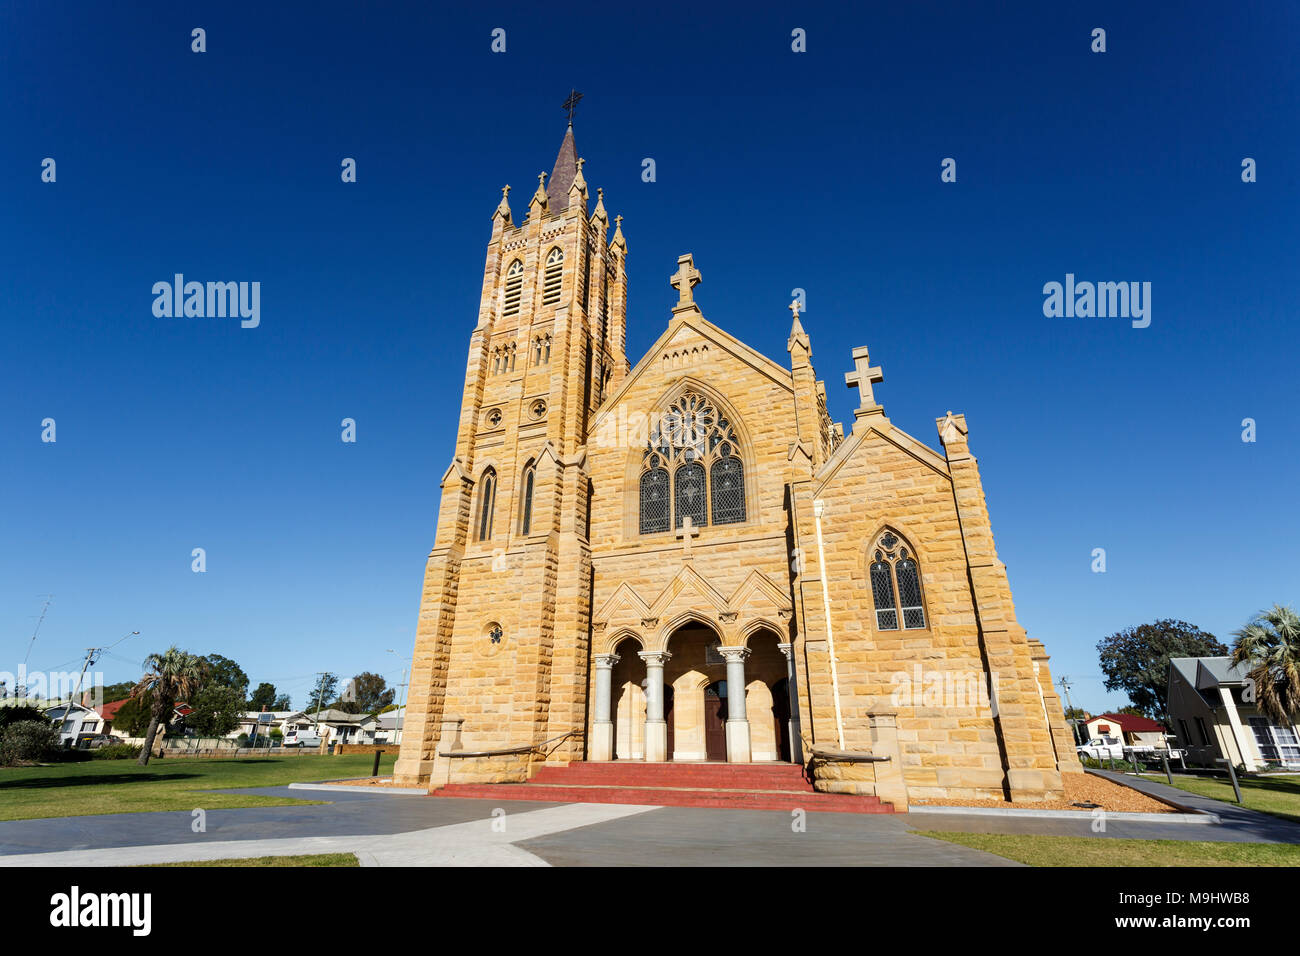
686	559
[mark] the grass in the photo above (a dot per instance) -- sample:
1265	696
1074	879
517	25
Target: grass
174	783
1103	851
315	859
1279	796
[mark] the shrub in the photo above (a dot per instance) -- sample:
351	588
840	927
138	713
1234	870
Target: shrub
13	713
115	752
26	741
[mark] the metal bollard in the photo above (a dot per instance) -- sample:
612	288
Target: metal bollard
1232	773
1164	759
374	771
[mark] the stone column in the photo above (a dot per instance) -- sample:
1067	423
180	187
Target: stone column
792	695
656	728
738	748
602	726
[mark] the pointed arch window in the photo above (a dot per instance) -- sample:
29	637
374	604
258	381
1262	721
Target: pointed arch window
486	503
694	449
691	499
526	519
728	485
514	288
654	498
896	585
554	272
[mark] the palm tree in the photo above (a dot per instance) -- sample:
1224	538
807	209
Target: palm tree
170	676
1270	644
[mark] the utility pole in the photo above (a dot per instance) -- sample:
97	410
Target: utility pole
67	711
400	721
320	699
1074	726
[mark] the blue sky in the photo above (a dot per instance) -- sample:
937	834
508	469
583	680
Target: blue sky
776	170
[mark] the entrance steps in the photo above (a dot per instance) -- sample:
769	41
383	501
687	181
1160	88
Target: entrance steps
757	786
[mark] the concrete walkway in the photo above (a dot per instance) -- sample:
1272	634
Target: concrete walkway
395	830
402	830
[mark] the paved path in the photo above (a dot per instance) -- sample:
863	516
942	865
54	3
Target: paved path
393	830
384	830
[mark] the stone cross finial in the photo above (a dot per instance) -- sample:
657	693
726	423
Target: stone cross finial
794	307
686	532
684	280
863	377
505	191
581	162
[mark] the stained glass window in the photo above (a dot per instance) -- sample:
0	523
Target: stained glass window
690	494
895	572
697	446
909	592
882	591
654	501
728	489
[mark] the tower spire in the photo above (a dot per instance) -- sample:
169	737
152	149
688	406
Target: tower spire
566	161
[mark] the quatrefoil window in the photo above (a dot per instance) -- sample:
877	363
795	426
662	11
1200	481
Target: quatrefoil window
496	634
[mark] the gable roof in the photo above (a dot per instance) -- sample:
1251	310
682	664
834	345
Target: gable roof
1131	723
714	334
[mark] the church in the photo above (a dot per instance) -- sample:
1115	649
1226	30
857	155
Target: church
684	559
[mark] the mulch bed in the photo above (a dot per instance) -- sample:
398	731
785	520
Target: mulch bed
1080	788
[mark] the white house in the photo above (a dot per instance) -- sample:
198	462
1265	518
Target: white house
1212	707
385	728
74	722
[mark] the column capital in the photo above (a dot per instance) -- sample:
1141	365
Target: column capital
786	649
654	658
606	660
734	654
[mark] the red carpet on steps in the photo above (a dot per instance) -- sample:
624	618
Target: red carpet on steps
755	786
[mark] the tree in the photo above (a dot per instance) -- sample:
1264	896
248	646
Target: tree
169	676
224	671
132	717
217	705
120	691
263	698
365	694
322	692
282	703
1270	646
1075	713
1136	660
216	710
20	712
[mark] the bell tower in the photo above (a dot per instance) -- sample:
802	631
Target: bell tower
502	642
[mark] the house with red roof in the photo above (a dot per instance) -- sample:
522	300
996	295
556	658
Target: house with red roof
1135	731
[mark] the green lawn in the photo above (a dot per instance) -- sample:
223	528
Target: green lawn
1279	796
318	859
1101	851
123	786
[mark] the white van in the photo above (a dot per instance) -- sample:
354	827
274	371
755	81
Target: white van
306	737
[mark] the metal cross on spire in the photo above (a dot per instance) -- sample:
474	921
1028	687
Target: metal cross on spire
571	104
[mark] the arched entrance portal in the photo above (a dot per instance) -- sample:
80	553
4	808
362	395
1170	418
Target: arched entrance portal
698	699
